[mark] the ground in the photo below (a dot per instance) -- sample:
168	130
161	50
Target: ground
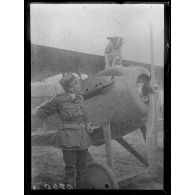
48	165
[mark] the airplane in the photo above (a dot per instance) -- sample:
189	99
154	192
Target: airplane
118	100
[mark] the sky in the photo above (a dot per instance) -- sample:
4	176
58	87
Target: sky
84	28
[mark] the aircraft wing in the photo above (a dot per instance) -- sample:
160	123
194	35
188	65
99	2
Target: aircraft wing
48	61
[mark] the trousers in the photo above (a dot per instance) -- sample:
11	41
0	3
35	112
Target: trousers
75	167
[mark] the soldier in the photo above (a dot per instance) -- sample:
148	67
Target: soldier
73	138
112	52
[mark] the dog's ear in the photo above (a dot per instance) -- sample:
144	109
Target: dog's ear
110	38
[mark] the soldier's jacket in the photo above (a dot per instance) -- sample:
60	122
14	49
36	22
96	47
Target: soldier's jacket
73	134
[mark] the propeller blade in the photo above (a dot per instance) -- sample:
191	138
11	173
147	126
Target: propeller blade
152	134
108	147
152	137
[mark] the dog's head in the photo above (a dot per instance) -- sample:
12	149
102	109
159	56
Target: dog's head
116	42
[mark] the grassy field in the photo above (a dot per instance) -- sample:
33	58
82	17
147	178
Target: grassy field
48	165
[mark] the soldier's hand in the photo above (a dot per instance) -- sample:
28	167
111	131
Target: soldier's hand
91	127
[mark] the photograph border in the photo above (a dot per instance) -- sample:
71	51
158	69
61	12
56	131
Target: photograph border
167	99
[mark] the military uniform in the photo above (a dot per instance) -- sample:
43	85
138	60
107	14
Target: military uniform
73	136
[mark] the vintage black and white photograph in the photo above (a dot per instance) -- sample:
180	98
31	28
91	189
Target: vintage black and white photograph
97	96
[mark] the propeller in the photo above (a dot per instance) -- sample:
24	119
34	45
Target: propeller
152	134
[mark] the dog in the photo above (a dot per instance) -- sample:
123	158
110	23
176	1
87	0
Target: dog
113	56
